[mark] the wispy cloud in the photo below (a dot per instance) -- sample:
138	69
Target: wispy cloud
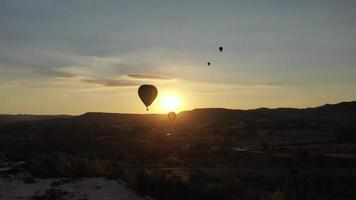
148	76
109	82
104	82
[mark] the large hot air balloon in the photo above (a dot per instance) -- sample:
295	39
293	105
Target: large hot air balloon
147	94
221	49
172	116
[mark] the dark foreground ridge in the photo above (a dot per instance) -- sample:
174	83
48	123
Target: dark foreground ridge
212	153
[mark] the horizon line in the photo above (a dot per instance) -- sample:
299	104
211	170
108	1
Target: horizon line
198	108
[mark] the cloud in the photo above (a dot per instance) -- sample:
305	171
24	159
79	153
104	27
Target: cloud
109	82
148	76
105	82
30	62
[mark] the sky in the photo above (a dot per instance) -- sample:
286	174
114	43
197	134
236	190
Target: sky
77	56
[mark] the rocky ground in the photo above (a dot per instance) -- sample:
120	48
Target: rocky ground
17	183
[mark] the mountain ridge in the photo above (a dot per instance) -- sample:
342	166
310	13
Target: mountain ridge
342	108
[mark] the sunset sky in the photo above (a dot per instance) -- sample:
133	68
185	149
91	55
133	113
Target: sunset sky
76	56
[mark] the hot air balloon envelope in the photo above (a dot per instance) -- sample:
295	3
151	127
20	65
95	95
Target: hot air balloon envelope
147	94
172	116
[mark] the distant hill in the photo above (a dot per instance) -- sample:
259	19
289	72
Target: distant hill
4	118
98	117
328	111
343	107
334	112
322	113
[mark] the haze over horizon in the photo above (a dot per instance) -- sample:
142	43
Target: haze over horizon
72	57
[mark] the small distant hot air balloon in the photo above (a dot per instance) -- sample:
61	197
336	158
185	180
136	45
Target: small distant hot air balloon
208	63
172	116
221	49
147	94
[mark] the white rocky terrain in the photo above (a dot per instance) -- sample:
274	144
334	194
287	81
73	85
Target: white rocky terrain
22	185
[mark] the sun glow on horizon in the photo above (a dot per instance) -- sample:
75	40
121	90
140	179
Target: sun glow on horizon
169	102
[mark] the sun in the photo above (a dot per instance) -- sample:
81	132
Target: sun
169	103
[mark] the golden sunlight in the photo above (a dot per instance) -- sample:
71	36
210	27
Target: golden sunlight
169	103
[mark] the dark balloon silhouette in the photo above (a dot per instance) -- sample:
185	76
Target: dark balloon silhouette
172	116
221	49
147	94
208	63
